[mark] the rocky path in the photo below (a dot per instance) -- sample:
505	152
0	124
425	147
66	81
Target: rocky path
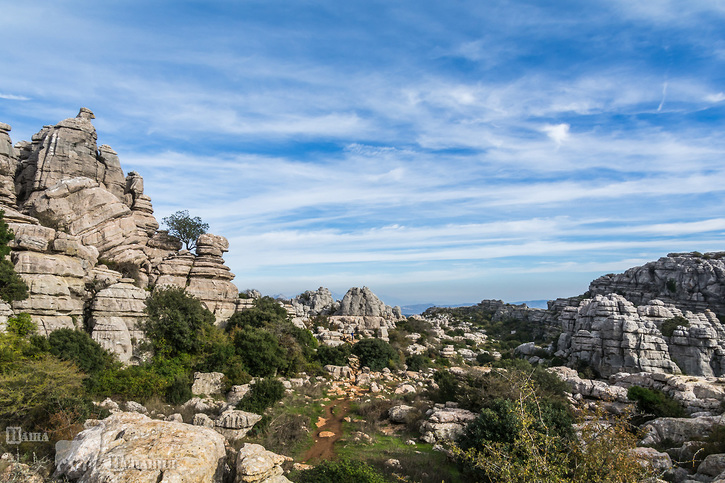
329	431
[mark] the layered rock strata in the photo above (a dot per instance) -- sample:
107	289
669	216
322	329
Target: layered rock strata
87	242
611	335
690	281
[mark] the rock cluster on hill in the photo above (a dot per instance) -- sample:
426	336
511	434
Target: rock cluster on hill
690	281
87	243
611	335
359	312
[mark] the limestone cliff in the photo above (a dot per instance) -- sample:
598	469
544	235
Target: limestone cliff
87	242
690	281
610	334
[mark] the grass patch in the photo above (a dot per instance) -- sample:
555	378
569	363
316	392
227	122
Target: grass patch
418	462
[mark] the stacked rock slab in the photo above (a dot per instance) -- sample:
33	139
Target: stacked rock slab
54	266
116	313
71	208
690	281
612	335
362	312
210	280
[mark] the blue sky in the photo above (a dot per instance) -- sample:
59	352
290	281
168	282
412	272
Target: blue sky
437	152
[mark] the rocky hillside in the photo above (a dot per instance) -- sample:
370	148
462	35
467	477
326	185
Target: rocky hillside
690	281
87	243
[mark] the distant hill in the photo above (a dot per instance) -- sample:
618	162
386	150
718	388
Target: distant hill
415	309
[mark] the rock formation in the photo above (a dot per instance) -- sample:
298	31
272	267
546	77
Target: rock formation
130	447
690	281
87	243
611	335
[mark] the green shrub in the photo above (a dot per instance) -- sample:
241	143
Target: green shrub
448	386
336	356
179	391
12	287
668	326
341	471
266	312
485	358
22	325
261	395
671	285
260	352
133	382
655	402
177	323
417	362
375	354
78	347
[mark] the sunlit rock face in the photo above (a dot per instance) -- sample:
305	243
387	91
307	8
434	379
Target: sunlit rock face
87	242
610	334
690	281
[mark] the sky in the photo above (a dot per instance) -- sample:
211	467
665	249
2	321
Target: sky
436	152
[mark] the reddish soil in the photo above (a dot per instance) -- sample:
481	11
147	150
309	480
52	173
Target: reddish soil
323	449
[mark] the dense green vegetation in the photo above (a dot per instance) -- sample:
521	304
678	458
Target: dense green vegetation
375	354
654	403
668	326
262	395
12	286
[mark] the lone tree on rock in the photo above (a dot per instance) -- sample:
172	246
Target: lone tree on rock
185	228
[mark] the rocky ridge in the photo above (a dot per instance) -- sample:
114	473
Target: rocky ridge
87	243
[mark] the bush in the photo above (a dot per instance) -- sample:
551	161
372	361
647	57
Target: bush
417	362
22	325
31	390
12	286
261	395
448	386
260	352
534	450
668	326
336	356
177	322
266	312
337	471
179	391
78	347
375	354
655	402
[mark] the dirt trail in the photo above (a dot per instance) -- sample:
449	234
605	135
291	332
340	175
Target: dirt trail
323	449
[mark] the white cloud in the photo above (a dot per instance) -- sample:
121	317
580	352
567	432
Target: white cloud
714	98
557	132
12	97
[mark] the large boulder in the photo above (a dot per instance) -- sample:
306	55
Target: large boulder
130	447
256	464
117	312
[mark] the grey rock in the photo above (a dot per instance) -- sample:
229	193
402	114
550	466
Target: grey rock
207	383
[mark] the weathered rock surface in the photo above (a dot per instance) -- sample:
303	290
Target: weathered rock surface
207	383
611	335
130	447
116	314
315	302
234	424
690	281
69	204
256	464
363	302
445	423
679	430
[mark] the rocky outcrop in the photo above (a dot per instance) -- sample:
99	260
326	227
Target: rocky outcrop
256	464
363	302
207	383
690	281
611	335
445	423
315	302
81	226
116	315
130	447
234	424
